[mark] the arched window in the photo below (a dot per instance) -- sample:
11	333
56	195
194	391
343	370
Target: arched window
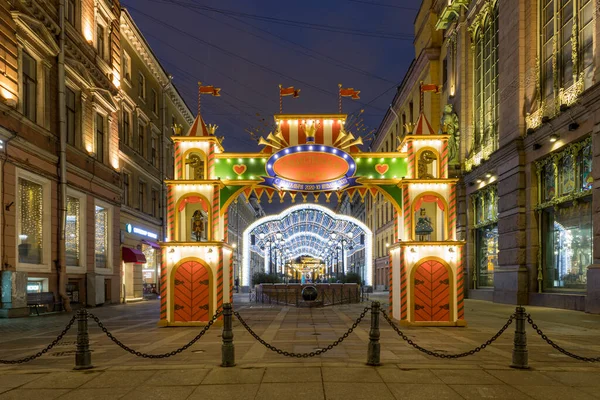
485	139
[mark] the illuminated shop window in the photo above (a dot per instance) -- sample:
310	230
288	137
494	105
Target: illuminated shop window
30	240
101	240
566	215
485	204
72	231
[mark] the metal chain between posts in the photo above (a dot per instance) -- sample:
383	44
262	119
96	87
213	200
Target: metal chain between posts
557	347
163	355
302	355
46	349
441	355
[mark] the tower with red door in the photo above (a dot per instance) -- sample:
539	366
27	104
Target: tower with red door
426	274
197	268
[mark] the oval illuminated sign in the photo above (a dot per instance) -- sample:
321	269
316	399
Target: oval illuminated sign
310	167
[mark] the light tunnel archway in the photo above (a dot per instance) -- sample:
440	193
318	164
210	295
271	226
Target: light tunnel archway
320	221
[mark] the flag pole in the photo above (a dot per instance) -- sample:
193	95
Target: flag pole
340	97
280	100
421	98
199	83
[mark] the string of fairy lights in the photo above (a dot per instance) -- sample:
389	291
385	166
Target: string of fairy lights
31	234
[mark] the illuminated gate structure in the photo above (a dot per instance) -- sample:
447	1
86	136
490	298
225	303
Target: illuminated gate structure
313	157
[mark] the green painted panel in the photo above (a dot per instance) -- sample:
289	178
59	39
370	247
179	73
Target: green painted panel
250	168
233	168
227	192
372	168
395	192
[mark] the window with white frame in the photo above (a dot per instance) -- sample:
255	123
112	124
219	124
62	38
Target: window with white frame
154	151
126	130
72	115
141	138
30	85
126	67
141	86
73	231
100	40
126	188
141	195
102	235
71	12
154	101
155	202
100	136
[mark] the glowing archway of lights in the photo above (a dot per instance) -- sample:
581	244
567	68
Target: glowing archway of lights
245	272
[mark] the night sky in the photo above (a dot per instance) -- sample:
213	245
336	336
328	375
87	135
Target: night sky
248	48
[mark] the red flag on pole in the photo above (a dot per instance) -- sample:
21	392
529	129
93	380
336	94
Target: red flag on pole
213	91
289	91
430	87
349	92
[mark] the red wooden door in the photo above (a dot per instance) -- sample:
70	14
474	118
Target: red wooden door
432	292
192	284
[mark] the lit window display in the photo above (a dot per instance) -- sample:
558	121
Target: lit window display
150	255
566	214
568	245
72	229
101	247
30	240
485	203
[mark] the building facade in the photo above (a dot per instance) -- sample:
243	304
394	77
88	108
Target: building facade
241	214
151	111
520	101
61	101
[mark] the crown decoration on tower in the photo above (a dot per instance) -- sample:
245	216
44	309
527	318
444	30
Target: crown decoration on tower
345	140
276	141
212	128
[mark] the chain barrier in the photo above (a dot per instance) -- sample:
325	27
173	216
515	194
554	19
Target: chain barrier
450	356
163	355
302	355
46	349
557	347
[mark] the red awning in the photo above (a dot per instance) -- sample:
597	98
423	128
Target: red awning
154	245
133	256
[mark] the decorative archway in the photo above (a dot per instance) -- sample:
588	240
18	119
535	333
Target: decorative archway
306	230
306	158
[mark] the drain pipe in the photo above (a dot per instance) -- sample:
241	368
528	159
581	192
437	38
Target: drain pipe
61	264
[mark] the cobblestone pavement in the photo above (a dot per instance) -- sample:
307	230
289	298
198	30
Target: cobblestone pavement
340	373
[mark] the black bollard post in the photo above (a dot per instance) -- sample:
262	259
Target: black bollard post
520	355
227	349
374	345
83	355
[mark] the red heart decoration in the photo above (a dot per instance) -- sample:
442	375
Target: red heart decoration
382	168
239	169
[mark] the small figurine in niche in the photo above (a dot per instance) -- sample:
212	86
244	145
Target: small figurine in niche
197	225
423	228
197	165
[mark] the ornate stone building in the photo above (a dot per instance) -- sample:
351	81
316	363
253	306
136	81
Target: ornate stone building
521	100
63	86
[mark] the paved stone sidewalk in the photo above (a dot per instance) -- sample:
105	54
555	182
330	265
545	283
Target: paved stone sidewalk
341	373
